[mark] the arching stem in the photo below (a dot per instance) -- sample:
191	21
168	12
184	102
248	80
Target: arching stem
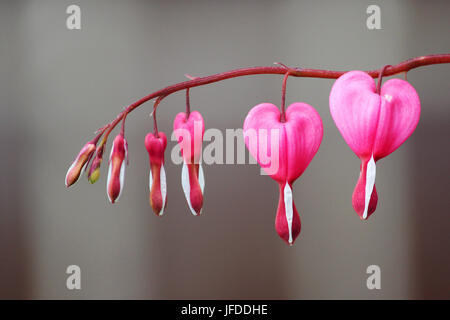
122	130
188	104
404	66
155	123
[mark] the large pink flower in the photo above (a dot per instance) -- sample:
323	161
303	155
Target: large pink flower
373	125
284	150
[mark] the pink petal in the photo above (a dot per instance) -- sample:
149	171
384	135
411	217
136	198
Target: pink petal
355	106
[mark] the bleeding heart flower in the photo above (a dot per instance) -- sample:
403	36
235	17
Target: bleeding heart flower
373	124
156	145
116	172
189	131
284	150
80	162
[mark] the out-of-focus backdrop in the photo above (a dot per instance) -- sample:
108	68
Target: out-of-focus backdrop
58	85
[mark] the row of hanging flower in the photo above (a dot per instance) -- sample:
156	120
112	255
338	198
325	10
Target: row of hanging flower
374	120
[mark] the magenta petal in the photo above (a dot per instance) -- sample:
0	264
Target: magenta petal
400	113
355	106
284	150
304	132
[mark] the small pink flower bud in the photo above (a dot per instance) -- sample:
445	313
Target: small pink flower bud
156	145
189	130
94	170
116	171
80	163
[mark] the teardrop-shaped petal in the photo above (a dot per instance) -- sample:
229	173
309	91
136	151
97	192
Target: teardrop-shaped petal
193	183
365	197
287	221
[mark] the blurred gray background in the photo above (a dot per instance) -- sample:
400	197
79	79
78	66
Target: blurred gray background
58	85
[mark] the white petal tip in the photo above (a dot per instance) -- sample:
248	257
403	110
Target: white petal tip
288	208
370	182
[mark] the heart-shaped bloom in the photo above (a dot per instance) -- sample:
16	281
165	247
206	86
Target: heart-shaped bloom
189	132
284	150
116	172
373	125
80	162
156	145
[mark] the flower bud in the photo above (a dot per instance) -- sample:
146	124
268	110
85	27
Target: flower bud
79	163
156	145
94	170
116	171
189	130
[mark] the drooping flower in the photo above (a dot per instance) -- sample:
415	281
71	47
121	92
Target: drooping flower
116	172
80	162
189	130
284	150
156	145
374	124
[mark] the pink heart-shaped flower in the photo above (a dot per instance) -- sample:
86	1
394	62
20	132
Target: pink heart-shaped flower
284	150
373	125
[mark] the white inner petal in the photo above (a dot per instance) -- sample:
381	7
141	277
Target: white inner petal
107	181
186	186
150	180
162	177
201	177
126	149
370	182
70	169
122	178
288	208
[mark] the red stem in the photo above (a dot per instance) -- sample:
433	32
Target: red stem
155	123
283	97
380	77
310	73
122	130
188	104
